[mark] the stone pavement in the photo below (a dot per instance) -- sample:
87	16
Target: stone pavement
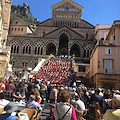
46	113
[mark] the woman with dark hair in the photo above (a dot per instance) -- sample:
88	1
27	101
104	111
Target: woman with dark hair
63	110
16	93
24	90
30	87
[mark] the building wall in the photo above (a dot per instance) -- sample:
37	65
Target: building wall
117	35
18	30
6	8
108	60
101	31
1	26
94	63
81	73
108	81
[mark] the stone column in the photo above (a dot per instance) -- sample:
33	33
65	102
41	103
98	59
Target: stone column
32	50
81	53
68	51
5	15
56	51
44	50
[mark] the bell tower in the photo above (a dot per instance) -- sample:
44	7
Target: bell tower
5	15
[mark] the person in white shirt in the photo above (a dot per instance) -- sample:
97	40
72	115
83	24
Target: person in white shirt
79	104
3	101
79	108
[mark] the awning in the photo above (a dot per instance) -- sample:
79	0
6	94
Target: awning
36	69
107	80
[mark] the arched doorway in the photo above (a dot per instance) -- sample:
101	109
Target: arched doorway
63	44
50	49
75	49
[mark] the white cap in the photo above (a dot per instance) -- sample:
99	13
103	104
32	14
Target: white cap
74	89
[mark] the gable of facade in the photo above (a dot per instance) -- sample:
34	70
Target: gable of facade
18	21
67	4
67	7
73	35
19	27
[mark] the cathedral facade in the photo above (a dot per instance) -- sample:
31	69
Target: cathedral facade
66	33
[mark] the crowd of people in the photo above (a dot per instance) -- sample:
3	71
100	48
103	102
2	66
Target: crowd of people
53	84
56	70
77	102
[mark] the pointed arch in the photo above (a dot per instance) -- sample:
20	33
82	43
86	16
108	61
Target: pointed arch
87	49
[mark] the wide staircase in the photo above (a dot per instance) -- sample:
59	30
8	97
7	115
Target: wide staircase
56	70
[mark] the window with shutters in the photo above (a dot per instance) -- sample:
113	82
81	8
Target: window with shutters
108	66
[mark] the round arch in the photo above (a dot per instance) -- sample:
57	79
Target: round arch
75	49
50	49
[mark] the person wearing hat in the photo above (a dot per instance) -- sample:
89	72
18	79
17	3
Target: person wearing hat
114	112
3	101
73	94
9	108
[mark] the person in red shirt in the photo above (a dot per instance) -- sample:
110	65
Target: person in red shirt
2	87
37	96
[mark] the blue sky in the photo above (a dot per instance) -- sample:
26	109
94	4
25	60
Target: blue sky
94	12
